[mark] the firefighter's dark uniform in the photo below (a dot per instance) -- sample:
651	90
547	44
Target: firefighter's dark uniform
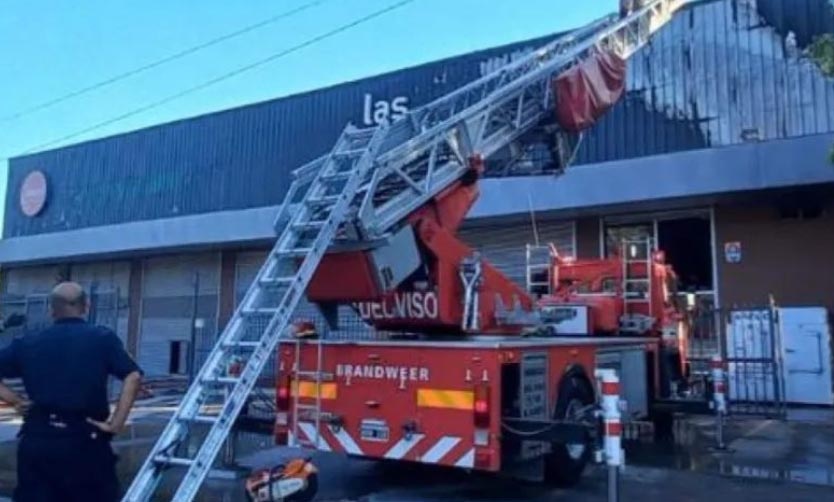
64	370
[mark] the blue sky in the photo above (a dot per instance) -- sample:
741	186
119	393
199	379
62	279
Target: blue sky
50	48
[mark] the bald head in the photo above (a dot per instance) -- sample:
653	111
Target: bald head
68	299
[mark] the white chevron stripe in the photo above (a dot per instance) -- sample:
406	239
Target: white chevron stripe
440	449
403	446
467	460
310	431
347	442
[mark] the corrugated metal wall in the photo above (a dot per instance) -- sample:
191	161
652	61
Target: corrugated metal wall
721	72
168	303
228	160
503	245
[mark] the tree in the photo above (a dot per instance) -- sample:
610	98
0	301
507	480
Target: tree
822	51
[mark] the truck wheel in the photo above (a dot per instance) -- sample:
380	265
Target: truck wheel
563	467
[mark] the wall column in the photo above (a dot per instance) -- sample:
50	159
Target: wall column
226	304
134	302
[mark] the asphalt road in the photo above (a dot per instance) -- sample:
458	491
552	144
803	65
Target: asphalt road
682	474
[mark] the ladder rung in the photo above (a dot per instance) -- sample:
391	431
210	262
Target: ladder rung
276	281
309	225
338	175
241	344
351	153
326	200
302	406
223	380
260	311
204	419
297	252
184	462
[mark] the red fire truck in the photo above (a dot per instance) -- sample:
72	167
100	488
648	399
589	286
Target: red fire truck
468	369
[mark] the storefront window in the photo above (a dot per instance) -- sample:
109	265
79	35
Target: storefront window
616	234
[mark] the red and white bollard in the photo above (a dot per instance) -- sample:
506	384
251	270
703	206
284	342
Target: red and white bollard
613	453
719	398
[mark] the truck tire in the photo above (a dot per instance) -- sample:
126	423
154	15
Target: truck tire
563	467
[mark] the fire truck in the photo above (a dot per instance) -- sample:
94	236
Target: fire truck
465	368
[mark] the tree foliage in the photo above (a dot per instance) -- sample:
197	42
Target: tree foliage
822	51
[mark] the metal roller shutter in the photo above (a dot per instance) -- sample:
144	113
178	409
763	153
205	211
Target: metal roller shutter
504	245
168	305
110	279
247	266
28	280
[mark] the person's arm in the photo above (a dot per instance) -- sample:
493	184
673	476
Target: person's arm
130	388
9	368
14	399
123	367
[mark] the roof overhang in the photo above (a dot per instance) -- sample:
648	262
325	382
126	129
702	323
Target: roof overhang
648	183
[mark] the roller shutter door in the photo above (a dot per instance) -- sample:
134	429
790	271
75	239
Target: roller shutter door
167	307
504	245
110	279
350	325
247	265
29	280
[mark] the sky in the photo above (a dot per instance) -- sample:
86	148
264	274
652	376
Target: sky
49	49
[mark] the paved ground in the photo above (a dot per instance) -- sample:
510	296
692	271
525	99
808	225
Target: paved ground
765	461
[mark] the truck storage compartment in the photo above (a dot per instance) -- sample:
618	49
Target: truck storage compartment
393	402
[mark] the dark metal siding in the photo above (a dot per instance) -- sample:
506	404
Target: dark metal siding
720	72
233	159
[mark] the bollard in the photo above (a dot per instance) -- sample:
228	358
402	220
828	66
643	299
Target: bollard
719	389
612	429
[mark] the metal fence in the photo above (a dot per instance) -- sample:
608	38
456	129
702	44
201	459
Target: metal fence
106	306
749	341
105	309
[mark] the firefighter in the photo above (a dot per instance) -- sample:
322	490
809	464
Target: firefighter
64	451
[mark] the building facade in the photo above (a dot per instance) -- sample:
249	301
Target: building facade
718	152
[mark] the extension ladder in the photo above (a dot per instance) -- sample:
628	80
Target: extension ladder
359	192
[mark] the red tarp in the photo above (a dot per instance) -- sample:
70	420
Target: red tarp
588	90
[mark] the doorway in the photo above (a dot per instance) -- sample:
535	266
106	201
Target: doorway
685	237
687	243
178	357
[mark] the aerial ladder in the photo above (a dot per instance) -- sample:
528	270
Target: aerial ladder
360	192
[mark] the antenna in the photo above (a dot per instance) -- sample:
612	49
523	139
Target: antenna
533	219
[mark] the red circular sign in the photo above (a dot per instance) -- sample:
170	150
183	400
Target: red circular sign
33	193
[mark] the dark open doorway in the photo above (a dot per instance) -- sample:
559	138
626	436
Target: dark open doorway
687	243
176	358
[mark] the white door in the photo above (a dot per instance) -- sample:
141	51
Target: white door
806	340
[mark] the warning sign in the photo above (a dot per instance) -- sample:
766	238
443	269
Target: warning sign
732	252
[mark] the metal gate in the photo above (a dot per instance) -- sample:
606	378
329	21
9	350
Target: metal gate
750	344
105	308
